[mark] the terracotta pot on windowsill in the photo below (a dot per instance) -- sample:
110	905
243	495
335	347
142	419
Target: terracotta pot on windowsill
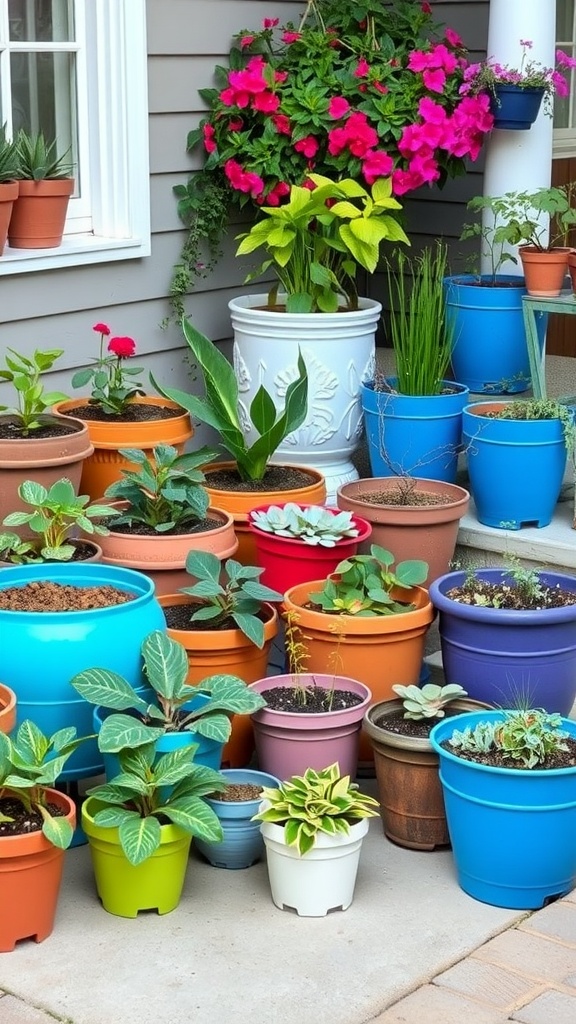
39	213
8	196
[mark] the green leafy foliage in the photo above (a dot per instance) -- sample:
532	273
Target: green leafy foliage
165	493
525	736
314	525
24	374
525	218
363	585
166	669
225	592
55	513
38	159
428	701
30	764
219	407
8	158
318	801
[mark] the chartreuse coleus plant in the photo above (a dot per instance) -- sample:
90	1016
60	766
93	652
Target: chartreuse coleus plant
315	525
229	591
166	670
318	801
30	764
363	585
164	494
525	736
428	701
24	374
149	791
55	512
219	407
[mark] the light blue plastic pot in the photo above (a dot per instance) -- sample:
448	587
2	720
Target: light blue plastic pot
242	845
513	831
41	651
415	434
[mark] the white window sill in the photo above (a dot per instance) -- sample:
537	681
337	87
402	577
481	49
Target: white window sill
76	250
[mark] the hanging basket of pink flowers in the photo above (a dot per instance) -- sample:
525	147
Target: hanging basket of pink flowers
354	90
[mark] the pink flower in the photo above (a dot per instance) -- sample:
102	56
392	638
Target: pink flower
379	87
282	124
246	40
404	181
560	84
280	76
208	133
266	102
434	80
277	193
425	167
241	180
362	68
357	135
564	60
101	329
453	38
377	164
308	146
270	22
426	8
122	347
290	37
338	107
235	124
228	97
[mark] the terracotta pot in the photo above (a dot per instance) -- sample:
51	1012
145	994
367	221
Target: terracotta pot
572	268
240	503
8	196
44	459
7	709
30	876
39	213
163	557
228	651
409	788
544	272
105	465
378	650
429	532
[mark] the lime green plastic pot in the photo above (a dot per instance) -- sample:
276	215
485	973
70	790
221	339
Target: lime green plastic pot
125	889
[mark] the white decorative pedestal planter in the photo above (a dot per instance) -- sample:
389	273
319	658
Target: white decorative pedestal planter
339	352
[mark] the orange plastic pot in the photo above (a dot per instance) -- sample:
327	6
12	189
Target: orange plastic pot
544	272
378	650
228	651
7	709
39	213
30	876
8	196
241	503
105	465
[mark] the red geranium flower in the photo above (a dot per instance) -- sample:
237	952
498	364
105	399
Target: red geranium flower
122	347
101	329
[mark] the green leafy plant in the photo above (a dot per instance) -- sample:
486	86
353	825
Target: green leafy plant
149	792
421	335
24	374
315	525
219	407
525	218
315	241
38	159
527	736
164	494
363	585
112	383
541	409
8	158
30	764
229	591
166	669
55	513
491	235
428	701
316	802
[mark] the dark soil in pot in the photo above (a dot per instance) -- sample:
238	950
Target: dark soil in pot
403	495
140	413
142	530
318	700
421	728
496	758
276	478
54	428
45	596
238	792
178	617
483	594
23	821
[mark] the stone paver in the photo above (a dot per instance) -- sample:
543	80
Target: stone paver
434	1005
532	955
488	984
551	1005
14	1011
558	921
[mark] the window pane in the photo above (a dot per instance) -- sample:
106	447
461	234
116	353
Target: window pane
40	21
44	96
564	19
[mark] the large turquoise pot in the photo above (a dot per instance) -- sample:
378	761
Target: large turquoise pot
41	651
513	831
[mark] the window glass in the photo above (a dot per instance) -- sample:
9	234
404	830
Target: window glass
565	40
40	21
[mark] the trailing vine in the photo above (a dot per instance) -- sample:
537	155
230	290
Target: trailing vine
203	206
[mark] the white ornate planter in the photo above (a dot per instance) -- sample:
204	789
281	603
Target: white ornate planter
339	352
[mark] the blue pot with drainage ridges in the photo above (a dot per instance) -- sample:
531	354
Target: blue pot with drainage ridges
489	352
418	435
516	467
242	845
41	651
507	658
512	830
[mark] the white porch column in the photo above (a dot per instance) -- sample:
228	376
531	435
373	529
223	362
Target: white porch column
519	161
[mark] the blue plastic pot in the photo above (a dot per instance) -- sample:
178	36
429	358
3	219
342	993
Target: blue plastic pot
418	435
489	352
513	831
515	108
242	845
516	467
41	651
509	658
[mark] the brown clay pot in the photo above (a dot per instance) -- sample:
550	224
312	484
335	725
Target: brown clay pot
106	465
8	196
226	651
428	532
163	557
7	709
544	272
241	503
44	460
39	213
409	788
572	268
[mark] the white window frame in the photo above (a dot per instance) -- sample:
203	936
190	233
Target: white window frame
116	108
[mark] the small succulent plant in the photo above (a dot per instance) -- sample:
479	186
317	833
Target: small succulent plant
524	736
428	701
314	525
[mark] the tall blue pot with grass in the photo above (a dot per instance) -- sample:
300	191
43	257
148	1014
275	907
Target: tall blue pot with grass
512	830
